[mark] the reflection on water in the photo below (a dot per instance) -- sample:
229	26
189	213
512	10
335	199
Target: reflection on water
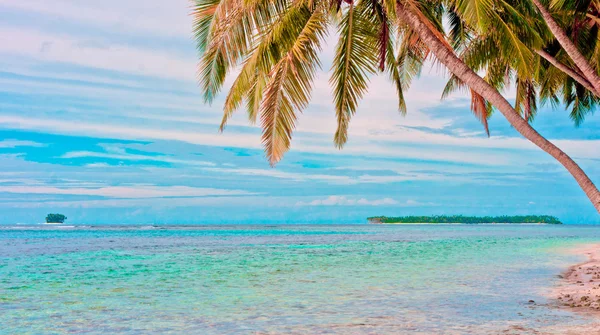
339	279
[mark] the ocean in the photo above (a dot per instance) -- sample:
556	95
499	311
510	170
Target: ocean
285	279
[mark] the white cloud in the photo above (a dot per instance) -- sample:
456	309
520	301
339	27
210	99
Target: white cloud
134	157
107	130
276	173
12	156
336	200
18	143
304	143
69	49
155	17
130	192
154	203
97	165
330	178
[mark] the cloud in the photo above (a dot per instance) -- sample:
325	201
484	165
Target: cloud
336	200
399	175
122	58
130	192
107	130
330	178
19	143
280	174
224	203
423	146
97	165
113	69
12	156
158	17
134	157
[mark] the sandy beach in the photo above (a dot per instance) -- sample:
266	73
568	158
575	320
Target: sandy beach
579	290
580	287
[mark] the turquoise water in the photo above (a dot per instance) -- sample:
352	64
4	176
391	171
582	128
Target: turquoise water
336	279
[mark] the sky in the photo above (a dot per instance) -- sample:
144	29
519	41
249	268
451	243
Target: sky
102	119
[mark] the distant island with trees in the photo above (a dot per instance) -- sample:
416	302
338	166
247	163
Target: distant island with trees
546	219
55	218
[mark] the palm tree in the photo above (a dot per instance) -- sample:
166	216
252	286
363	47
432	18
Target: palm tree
573	49
520	50
584	72
277	43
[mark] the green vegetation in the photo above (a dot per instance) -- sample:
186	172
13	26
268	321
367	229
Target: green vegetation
467	219
547	51
55	218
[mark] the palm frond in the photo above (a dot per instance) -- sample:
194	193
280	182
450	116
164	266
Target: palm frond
580	101
514	49
272	43
476	13
355	60
229	38
459	33
393	69
288	88
452	85
233	29
203	13
481	109
526	99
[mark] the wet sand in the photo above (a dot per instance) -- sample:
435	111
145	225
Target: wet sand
580	287
579	291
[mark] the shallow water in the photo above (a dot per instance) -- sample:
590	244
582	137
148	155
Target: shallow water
334	279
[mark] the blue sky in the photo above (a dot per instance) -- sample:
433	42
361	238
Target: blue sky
101	119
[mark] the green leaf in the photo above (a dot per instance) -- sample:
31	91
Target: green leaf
355	60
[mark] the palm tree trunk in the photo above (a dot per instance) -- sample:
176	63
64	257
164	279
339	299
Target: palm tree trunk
580	61
476	83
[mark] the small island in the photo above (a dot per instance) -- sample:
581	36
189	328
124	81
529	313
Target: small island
55	218
444	219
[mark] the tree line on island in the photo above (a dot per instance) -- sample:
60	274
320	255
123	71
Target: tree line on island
55	218
467	219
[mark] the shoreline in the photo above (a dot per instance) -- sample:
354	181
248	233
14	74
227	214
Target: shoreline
578	291
579	288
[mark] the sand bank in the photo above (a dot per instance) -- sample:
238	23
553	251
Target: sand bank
580	288
579	291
